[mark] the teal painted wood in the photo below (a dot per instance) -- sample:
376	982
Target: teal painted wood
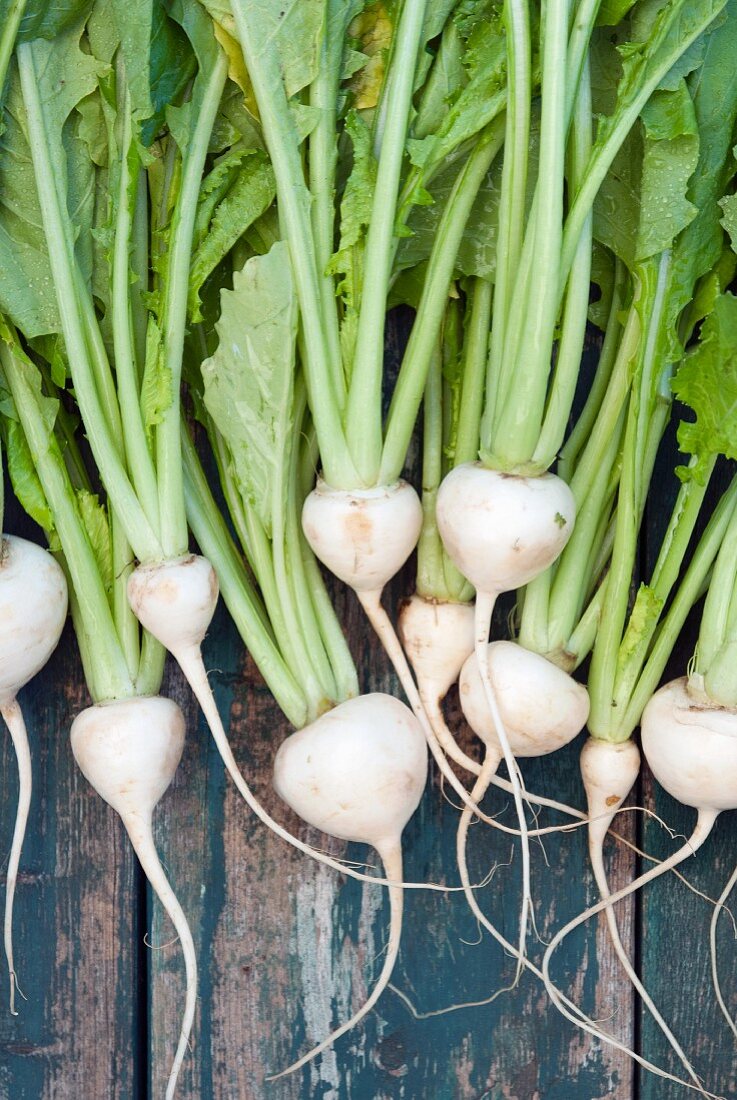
674	922
288	949
674	934
76	920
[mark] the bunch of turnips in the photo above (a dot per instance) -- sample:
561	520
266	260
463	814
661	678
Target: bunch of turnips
207	209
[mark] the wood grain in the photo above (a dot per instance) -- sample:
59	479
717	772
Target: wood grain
76	918
288	949
673	922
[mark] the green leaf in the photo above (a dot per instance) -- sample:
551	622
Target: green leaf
292	29
251	193
617	205
658	35
355	211
355	214
67	75
714	94
158	60
23	477
47	18
156	392
477	252
95	519
613	12
26	289
249	380
474	107
643	205
643	617
707	383
371	31
671	150
602	276
436	17
729	220
446	76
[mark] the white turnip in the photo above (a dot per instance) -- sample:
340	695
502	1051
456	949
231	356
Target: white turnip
358	773
365	536
437	636
609	771
691	748
501	530
33	608
129	751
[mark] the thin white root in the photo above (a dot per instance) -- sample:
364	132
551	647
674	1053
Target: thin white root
704	825
540	800
191	664
713	950
448	1008
575	1014
13	716
392	859
477	793
446	740
674	871
141	837
384	628
597	862
450	746
571	826
483	612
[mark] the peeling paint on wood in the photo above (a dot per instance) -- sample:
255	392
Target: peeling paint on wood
287	949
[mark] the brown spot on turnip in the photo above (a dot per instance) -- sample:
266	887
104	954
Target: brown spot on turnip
359	526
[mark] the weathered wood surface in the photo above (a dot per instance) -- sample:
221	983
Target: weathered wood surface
287	949
77	917
673	922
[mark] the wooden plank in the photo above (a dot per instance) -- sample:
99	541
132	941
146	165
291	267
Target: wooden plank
674	942
75	916
673	932
287	949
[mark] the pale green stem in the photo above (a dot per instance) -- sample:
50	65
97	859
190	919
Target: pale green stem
110	676
589	464
364	412
173	520
425	330
430	575
688	592
138	530
326	390
514	187
322	162
715	617
214	540
575	310
137	453
474	370
607	358
521	416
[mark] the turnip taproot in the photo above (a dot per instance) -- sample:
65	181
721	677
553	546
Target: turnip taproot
33	608
358	773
